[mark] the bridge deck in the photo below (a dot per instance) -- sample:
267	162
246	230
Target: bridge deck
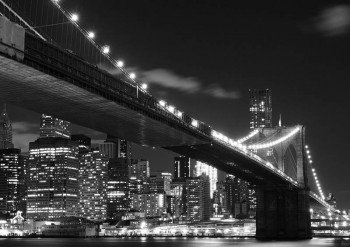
29	88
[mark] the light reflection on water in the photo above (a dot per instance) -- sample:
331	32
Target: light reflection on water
168	242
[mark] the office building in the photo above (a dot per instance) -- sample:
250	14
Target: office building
5	130
211	172
93	176
182	167
54	127
198	198
118	190
115	147
260	108
12	182
152	204
139	168
178	189
237	197
52	180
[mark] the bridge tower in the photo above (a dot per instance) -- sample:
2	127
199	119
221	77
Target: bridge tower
283	211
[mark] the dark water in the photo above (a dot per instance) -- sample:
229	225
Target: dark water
166	242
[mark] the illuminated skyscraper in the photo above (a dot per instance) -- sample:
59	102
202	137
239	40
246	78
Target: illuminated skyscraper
5	130
198	198
151	204
237	196
114	147
54	127
181	167
93	176
210	171
118	191
139	169
12	181
53	188
260	108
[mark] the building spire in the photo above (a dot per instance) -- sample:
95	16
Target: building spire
5	130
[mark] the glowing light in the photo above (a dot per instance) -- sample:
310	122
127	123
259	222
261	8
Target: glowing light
194	123
120	64
270	144
91	35
105	49
74	17
253	133
179	114
144	86
162	103
143	224
171	109
132	76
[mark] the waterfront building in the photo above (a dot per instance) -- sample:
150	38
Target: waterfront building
237	194
178	189
198	198
118	189
52	181
93	176
152	204
12	182
211	172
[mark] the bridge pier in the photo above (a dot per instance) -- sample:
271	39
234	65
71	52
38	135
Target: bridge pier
282	213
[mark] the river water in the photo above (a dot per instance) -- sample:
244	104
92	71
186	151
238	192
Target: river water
165	242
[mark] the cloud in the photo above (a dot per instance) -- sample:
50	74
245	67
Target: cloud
169	79
218	92
23	133
333	21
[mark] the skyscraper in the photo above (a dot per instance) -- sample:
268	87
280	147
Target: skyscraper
54	127
5	130
139	169
93	174
114	147
53	168
237	196
181	167
12	183
198	198
260	108
211	172
118	191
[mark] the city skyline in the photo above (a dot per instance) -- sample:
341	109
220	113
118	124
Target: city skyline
152	116
298	71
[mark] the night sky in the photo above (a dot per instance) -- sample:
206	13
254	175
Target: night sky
203	56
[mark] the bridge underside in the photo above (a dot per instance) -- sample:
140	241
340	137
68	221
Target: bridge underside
31	89
34	90
231	162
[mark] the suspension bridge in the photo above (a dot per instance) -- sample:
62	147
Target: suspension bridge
50	64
